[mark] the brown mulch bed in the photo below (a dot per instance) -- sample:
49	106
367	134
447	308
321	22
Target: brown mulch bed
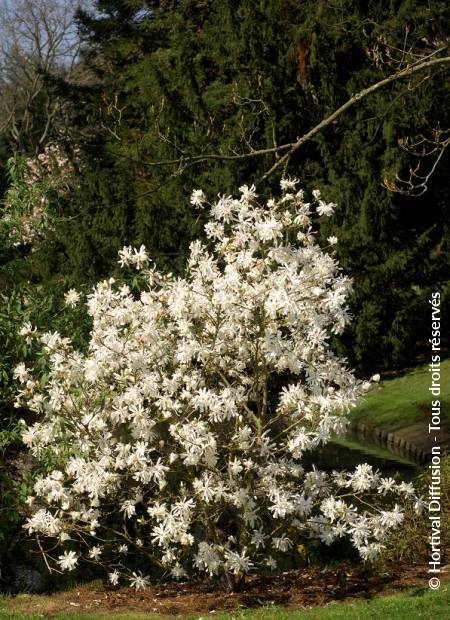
294	589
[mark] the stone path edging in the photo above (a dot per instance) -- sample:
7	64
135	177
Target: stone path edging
393	441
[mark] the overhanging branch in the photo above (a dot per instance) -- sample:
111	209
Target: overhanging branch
409	71
290	148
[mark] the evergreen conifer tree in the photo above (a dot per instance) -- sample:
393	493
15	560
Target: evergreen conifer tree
176	80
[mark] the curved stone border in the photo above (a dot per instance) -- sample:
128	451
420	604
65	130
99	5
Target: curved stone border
394	442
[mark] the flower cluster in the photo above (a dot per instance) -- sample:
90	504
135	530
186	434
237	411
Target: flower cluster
187	420
36	182
52	161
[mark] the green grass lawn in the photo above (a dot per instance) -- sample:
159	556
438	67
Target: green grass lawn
403	401
413	605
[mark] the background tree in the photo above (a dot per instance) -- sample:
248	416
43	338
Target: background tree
38	40
188	92
383	236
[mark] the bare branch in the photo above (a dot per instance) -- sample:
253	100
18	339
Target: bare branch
408	72
423	64
37	37
417	182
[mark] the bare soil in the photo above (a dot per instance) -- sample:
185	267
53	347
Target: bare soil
299	589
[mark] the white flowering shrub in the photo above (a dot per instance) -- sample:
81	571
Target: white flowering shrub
180	435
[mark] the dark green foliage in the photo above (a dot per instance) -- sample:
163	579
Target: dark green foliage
191	78
396	247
